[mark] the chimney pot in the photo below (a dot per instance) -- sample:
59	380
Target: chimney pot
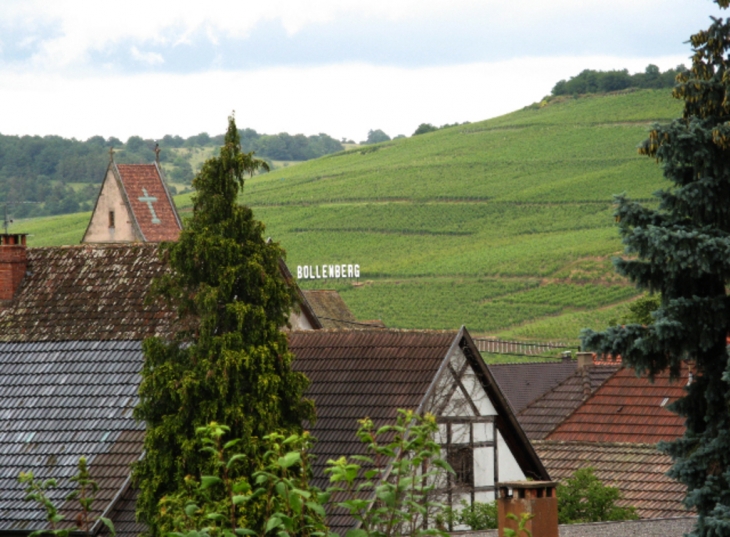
13	263
584	359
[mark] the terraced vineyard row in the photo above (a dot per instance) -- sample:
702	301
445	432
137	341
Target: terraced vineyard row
504	225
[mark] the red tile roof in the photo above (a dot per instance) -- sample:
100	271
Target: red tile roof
545	413
637	470
627	409
151	203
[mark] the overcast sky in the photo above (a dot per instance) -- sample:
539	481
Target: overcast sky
82	68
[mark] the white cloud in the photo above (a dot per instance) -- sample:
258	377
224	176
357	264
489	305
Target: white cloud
340	100
148	58
80	27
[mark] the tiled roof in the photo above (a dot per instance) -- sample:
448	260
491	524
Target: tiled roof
123	516
86	293
61	401
637	470
331	309
355	374
627	409
663	527
541	416
150	202
525	382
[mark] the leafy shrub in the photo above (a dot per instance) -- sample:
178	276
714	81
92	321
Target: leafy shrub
478	516
400	474
584	498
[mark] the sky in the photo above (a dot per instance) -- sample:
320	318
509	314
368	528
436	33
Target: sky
149	68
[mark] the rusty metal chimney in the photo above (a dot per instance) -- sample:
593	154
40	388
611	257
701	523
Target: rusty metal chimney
535	502
13	262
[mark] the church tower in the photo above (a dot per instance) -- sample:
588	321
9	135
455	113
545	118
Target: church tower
134	205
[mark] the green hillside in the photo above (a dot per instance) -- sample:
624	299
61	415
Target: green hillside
503	225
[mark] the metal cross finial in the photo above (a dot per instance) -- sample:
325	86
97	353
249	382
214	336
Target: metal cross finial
111	154
157	153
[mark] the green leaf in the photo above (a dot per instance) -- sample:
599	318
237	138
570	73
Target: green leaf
191	509
317	508
234	458
272	523
216	516
240	498
245	531
109	524
231	443
289	459
356	533
209	480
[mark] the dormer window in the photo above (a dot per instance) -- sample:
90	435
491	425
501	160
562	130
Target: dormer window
111	218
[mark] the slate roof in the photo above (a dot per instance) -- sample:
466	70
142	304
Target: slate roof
627	408
522	383
541	416
86	293
150	201
638	470
61	401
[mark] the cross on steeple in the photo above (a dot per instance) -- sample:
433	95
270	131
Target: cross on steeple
149	200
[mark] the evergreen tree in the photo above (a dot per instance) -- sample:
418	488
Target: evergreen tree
229	362
681	250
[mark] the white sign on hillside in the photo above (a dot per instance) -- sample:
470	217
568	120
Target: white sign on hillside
324	272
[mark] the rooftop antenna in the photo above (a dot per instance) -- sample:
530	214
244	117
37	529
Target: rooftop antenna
7	220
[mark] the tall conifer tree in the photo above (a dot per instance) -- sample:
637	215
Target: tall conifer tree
681	250
231	363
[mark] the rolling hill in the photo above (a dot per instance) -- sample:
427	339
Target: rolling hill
504	225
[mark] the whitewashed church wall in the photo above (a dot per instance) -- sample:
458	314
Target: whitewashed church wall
110	199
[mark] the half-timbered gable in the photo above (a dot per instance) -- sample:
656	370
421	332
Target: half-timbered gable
374	373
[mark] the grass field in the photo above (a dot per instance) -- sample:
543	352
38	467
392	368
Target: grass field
504	225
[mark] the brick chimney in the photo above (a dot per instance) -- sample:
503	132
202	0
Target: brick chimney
535	499
13	261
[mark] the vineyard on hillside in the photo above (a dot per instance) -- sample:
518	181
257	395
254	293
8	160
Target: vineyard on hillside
505	225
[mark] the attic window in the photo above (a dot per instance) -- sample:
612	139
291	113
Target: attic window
462	461
111	218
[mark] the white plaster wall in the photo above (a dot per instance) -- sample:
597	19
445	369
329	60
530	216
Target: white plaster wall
484	496
484	466
509	470
483	432
299	321
477	394
110	199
